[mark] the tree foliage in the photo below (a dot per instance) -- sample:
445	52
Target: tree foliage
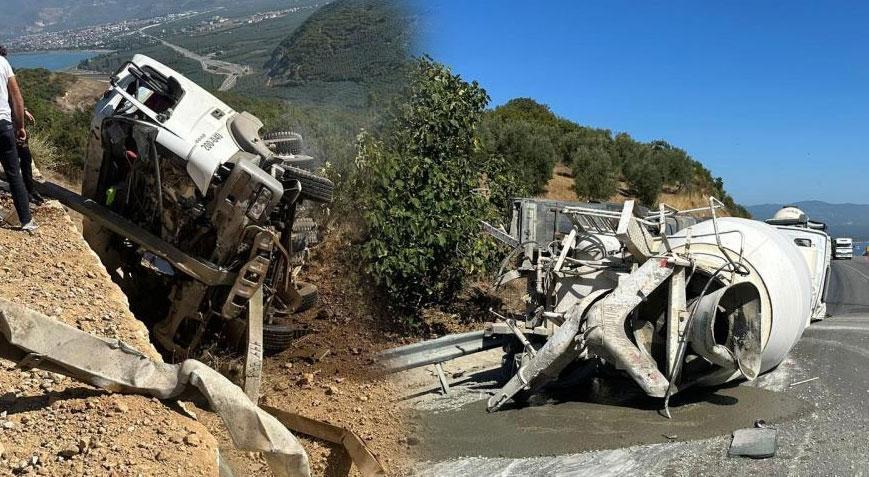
598	158
526	147
423	184
594	172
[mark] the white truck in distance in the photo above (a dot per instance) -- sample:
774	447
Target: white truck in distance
844	248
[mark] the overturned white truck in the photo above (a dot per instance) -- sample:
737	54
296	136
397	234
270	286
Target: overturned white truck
197	210
670	301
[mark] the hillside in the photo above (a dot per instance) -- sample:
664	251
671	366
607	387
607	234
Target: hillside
54	425
346	41
843	220
62	105
561	187
556	157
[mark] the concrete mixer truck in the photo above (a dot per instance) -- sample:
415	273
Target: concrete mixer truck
670	301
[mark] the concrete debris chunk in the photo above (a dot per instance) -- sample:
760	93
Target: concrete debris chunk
35	340
756	443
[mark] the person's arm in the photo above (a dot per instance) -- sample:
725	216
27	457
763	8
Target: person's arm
17	102
30	117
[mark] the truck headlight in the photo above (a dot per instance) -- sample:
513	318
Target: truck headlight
258	207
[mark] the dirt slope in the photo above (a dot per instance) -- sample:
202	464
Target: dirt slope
81	94
560	187
52	425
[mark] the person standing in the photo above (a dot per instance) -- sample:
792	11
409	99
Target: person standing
24	155
12	132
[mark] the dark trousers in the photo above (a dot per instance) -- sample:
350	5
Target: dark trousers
12	167
26	160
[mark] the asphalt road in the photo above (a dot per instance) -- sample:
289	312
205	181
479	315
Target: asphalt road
849	287
823	424
232	71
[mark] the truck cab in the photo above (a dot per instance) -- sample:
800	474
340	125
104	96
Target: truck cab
815	246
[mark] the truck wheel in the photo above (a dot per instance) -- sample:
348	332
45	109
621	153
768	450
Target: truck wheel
314	187
304	224
278	337
301	161
284	142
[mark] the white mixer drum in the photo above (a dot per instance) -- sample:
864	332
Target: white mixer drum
774	266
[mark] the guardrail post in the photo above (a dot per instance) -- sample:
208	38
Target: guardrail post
445	386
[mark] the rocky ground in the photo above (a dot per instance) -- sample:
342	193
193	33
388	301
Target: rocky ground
57	426
331	374
53	425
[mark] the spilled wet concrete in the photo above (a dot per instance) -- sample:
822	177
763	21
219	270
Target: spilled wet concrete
608	414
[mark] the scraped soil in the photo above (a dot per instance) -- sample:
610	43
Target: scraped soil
56	426
81	94
330	374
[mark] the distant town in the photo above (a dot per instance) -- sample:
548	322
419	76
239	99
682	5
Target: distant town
108	35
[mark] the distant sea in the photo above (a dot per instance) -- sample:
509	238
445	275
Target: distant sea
51	60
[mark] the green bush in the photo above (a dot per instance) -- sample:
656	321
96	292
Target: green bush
423	183
594	172
526	147
645	178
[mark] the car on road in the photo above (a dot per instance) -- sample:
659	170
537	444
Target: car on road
844	248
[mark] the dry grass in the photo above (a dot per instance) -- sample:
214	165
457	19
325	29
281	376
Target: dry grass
45	153
560	187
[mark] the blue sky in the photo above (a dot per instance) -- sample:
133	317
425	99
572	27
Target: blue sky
771	96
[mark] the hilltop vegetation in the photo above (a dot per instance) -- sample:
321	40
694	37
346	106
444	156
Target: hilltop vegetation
346	40
534	139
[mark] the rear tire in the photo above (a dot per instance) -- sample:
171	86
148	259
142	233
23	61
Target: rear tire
278	337
284	142
314	187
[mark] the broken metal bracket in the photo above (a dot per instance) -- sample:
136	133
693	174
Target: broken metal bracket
253	362
634	234
548	362
442	378
677	315
364	460
500	234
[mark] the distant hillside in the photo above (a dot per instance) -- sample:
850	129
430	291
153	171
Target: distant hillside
843	220
347	40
